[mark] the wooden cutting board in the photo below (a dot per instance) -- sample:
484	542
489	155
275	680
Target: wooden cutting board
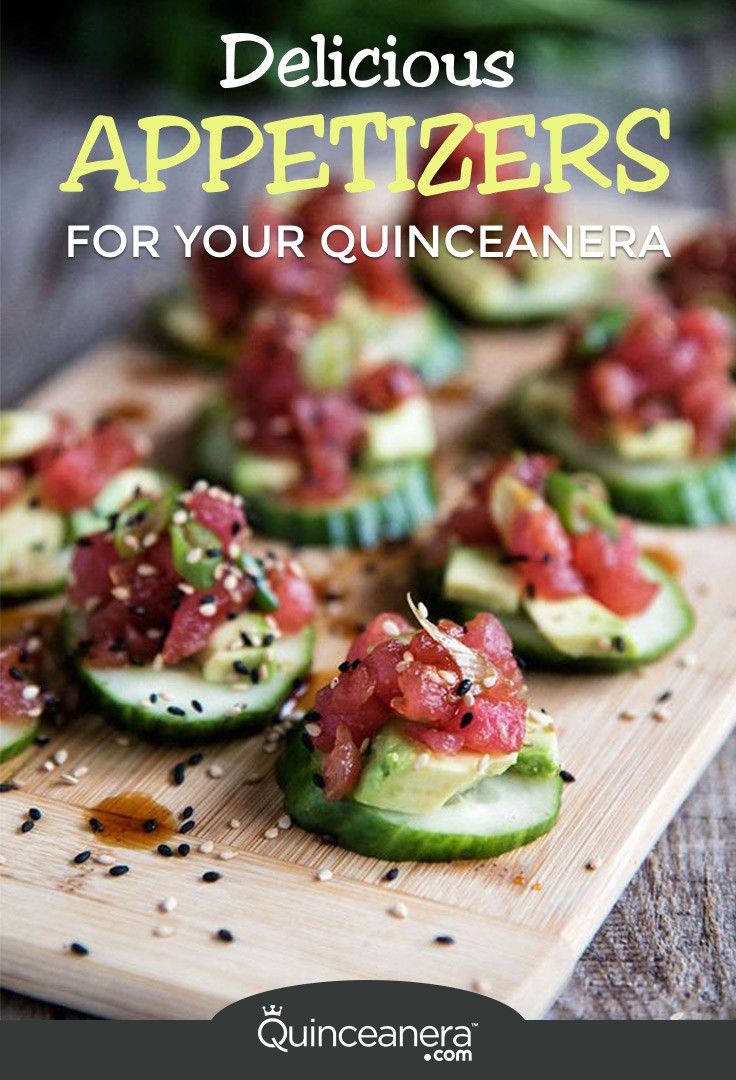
518	923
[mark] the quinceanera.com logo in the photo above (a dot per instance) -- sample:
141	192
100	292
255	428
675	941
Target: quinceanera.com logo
449	1042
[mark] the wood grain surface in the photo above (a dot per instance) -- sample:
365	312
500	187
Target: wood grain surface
519	922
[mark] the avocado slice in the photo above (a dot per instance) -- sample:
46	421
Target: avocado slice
667	440
402	775
474	575
406	431
539	756
236	649
580	626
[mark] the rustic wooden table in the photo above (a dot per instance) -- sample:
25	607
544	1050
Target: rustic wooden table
668	947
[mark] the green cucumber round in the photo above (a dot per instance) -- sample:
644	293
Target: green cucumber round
485	292
384	503
432	347
16	734
497	815
656	631
123	694
695	493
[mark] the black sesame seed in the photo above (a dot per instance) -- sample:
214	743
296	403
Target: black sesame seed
213	552
150	825
119	870
79	949
27	826
17	674
183	849
463	686
196	705
195	759
235	528
618	643
255	676
391	874
175	710
186	813
465	719
268	639
187	826
312	716
241	667
84	541
96	825
178	773
208	598
246	639
165	850
34	813
42	740
8	786
328	839
153	698
225	935
664	696
211	875
82	857
318	780
356	663
344	666
566	777
444	939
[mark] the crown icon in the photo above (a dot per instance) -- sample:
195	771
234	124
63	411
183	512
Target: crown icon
272	1010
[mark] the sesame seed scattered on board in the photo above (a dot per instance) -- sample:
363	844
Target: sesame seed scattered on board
324	874
163	931
399	910
59	756
168	904
234	823
206	847
271	834
215	771
284	822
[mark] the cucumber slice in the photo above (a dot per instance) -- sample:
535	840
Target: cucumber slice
178	322
16	733
33	560
498	814
669	492
485	291
646	637
123	694
385	503
23	432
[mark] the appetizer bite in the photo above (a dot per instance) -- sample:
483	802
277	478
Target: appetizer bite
22	702
509	288
543	551
360	314
55	484
424	746
324	452
642	397
177	629
703	269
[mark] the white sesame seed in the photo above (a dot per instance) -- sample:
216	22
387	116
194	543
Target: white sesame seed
168	904
194	555
208	610
423	610
234	823
313	729
284	822
30	692
67	778
123	740
131	541
185	588
163	931
33	644
206	847
121	592
48	766
180	517
104	859
59	756
234	550
201	485
627	714
215	771
146	570
689	660
399	910
149	540
270	747
324	874
389	627
227	855
270	834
